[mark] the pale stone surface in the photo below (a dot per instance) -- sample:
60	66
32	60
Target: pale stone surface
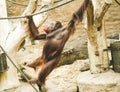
24	87
104	82
63	79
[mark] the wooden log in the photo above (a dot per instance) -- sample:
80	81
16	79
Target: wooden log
74	50
97	46
12	42
4	31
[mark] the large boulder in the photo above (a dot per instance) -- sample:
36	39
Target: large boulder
102	82
63	78
75	49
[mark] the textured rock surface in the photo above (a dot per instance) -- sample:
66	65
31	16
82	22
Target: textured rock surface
63	79
74	49
112	19
104	82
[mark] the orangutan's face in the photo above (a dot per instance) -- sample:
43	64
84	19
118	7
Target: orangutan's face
52	26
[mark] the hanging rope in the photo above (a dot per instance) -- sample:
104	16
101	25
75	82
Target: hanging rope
17	68
40	12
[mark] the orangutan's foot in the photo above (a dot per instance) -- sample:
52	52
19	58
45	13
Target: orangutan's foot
30	65
35	81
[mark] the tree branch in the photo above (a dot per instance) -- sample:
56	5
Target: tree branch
32	6
99	17
22	30
90	14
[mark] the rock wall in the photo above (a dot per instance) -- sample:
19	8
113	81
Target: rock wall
16	7
103	82
112	19
64	13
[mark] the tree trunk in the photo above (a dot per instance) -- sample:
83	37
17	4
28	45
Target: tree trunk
4	26
12	42
4	31
97	46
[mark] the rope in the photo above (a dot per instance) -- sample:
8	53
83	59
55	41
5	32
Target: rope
17	67
49	9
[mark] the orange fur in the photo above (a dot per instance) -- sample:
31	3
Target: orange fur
54	46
